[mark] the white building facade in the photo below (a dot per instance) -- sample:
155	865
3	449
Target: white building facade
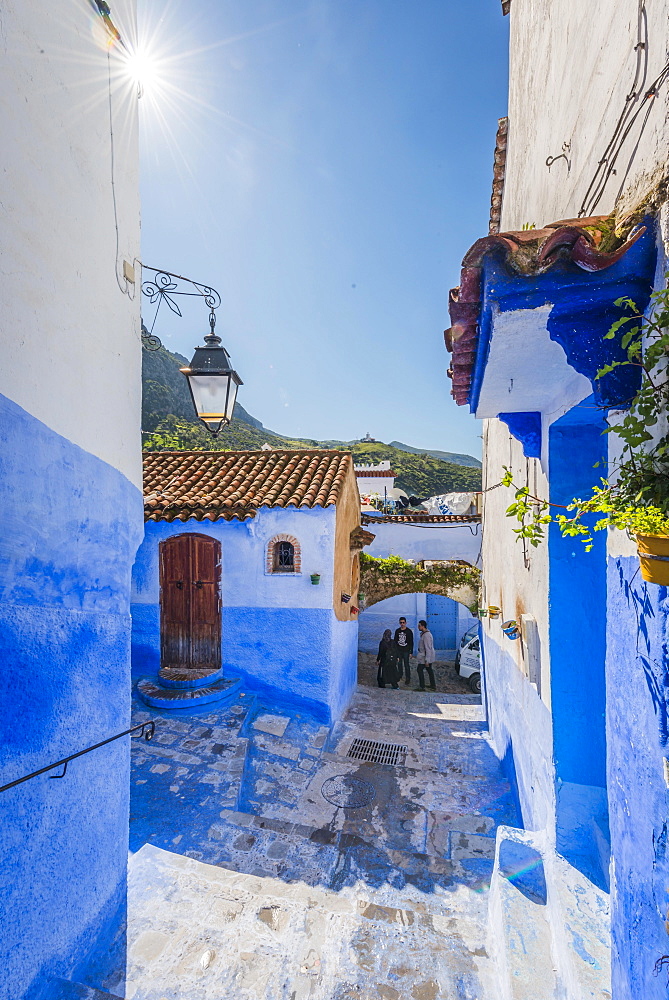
70	489
579	219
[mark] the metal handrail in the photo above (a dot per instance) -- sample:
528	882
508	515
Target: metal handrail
147	729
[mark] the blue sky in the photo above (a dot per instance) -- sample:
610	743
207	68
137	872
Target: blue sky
324	164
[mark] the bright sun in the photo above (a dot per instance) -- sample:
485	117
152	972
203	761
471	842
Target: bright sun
144	69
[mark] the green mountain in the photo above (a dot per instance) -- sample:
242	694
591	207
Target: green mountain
445	456
168	425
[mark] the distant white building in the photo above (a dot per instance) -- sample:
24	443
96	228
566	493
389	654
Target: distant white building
374	478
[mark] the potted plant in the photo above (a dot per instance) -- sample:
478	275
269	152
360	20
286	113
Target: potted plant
636	497
315	579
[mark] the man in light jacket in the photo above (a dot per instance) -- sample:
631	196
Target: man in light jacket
425	656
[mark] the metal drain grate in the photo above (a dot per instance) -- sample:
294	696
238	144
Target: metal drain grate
377	753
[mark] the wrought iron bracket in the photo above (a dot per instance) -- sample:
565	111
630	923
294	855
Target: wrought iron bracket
166	287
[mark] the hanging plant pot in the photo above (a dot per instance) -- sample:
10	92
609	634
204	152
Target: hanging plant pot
494	611
482	612
345	598
654	558
510	629
315	579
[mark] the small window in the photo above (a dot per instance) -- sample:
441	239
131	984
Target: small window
284	557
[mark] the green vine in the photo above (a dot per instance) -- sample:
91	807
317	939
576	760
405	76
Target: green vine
381	577
636	498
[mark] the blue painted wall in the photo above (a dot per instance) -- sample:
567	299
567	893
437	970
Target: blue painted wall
279	631
70	528
577	638
637	675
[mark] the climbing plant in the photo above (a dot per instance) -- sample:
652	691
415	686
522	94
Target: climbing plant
382	578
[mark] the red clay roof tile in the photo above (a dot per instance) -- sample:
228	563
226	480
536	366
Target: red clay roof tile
215	485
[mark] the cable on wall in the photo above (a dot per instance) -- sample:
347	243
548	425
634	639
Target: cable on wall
639	101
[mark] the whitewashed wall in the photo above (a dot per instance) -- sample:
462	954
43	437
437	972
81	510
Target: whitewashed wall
515	576
572	64
69	335
422	541
375	484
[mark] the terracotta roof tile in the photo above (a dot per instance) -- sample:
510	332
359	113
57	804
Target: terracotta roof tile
375	474
498	175
371	519
215	485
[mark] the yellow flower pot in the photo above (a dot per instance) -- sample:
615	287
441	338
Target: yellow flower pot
654	558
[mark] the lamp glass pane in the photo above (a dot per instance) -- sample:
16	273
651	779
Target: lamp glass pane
214	396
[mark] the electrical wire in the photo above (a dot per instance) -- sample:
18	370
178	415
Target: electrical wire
122	285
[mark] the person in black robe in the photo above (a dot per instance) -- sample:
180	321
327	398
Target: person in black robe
388	661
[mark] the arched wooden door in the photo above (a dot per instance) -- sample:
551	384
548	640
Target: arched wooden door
190	604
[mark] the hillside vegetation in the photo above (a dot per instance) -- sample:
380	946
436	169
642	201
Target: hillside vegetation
168	425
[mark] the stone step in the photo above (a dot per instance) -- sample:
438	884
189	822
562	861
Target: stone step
184	677
63	989
548	924
323	855
153	693
219	933
584	932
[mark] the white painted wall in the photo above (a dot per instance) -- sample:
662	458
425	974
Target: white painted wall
69	335
375	484
515	575
572	64
422	541
510	387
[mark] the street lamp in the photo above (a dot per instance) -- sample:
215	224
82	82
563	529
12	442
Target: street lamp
212	382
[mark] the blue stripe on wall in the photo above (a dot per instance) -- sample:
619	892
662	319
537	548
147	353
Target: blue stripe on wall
637	677
71	525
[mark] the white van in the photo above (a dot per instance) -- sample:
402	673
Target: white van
469	666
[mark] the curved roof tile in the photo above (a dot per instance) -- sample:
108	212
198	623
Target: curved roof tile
216	485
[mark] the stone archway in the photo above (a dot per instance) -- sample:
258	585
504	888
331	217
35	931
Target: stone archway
383	578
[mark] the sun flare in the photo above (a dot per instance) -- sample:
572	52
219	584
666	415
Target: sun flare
144	69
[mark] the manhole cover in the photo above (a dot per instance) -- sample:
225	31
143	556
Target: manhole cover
347	792
377	753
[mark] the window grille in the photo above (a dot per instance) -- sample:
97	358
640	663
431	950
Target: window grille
284	557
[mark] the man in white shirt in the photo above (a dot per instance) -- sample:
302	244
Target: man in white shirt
425	656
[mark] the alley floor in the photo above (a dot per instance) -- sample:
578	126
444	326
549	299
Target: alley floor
270	863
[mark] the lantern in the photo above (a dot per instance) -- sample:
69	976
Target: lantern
212	382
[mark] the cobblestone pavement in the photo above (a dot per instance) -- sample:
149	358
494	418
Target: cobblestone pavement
372	877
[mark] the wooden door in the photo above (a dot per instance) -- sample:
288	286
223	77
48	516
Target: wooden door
190	607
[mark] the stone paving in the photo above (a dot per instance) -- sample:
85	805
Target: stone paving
378	872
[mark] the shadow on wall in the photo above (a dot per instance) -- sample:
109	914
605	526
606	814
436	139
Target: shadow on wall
522	865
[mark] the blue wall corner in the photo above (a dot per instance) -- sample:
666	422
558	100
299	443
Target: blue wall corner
71	525
582	312
526	428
